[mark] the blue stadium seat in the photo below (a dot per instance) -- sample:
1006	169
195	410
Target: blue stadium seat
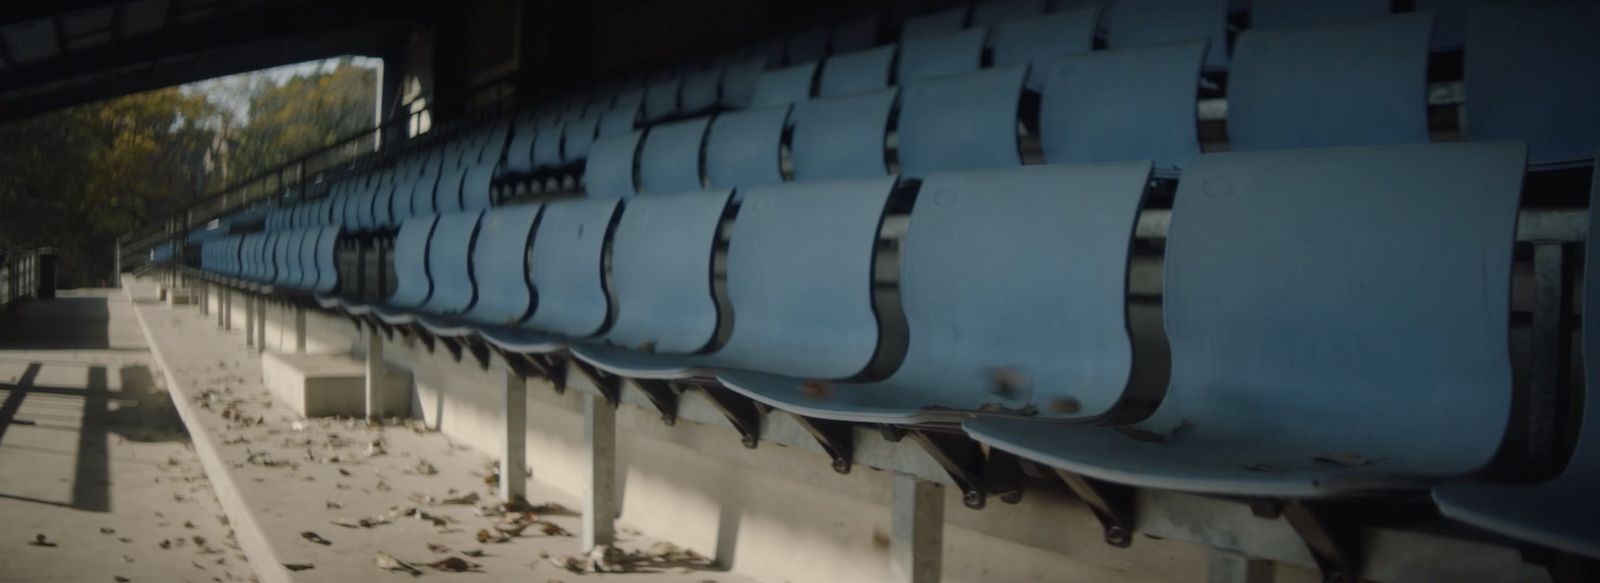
994	12
1270	14
630	98
842	137
744	148
302	259
1118	105
450	264
1038	42
477	187
669	161
500	260
413	285
800	265
701	90
739	81
787	85
936	24
661	98
1558	513
1291	373
1362	84
547	152
609	171
566	270
618	121
519	154
961	122
977	307
283	246
856	34
327	261
447	193
857	72
427	180
289	267
806	46
661	278
578	137
405	180
1141	23
1531	74
383	201
946	54
1450	19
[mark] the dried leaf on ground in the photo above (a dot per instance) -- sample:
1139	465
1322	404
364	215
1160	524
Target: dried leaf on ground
486	536
316	538
455	565
389	562
438	548
298	566
468	498
40	540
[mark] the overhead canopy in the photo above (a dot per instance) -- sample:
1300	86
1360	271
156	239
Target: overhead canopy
59	53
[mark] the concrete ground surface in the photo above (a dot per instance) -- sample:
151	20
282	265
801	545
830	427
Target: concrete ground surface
93	457
340	500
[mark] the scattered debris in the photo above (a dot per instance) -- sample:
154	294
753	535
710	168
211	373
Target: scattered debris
455	565
425	468
165	544
487	536
299	566
469	498
817	390
1006	381
40	540
119	579
104	530
388	562
438	548
474	553
1064	405
331	505
316	538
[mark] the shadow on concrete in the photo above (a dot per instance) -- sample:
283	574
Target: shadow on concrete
63	323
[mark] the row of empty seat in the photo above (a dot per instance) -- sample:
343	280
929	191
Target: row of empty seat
1334	282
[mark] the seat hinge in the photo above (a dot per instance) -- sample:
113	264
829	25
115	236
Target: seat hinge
1111	504
976	474
837	438
741	411
664	395
1334	543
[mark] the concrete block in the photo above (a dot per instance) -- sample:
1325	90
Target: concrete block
316	385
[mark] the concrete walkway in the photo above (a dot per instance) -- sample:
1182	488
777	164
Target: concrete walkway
344	500
93	457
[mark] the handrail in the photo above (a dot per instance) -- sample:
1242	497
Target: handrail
310	168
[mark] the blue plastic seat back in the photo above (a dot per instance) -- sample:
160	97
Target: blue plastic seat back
670	159
806	46
1523	79
411	269
566	267
282	244
630	98
303	259
842	137
450	263
857	72
252	257
1344	85
519	154
327	260
1304	289
800	267
578	136
547	147
447	194
937	56
961	122
995	12
405	180
1271	14
383	201
856	34
290	268
1141	23
1039	41
477	187
661	98
661	272
786	85
739	81
427	180
492	141
745	148
500	264
618	122
366	199
701	90
1118	105
935	24
1450	19
609	172
977	296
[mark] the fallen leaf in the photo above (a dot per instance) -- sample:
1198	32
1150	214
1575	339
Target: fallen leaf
474	553
454	565
298	566
316	538
104	530
438	548
119	579
331	505
389	562
425	468
486	536
469	498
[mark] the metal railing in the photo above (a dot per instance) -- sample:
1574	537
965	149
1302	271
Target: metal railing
298	177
